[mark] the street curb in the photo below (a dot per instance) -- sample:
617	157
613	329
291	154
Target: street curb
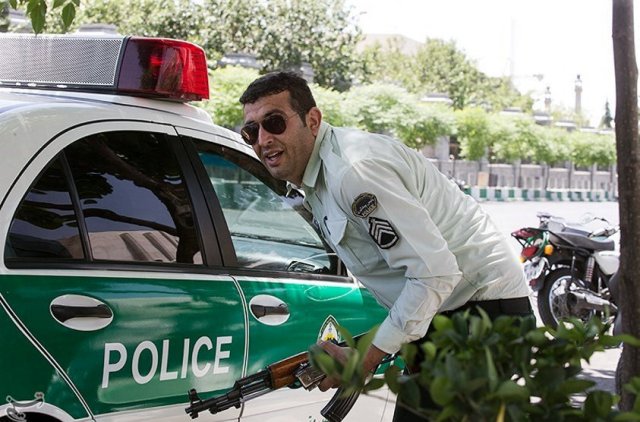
521	194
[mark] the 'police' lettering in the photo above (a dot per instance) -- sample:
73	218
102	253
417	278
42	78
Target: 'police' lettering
135	366
220	354
109	367
116	358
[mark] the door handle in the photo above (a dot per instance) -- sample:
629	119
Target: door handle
262	310
79	312
269	310
65	312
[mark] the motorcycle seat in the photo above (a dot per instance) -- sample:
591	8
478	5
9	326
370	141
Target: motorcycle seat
582	241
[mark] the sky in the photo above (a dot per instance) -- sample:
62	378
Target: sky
541	43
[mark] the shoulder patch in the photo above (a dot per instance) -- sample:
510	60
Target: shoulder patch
364	205
382	232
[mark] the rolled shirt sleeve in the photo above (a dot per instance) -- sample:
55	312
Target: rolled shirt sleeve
410	316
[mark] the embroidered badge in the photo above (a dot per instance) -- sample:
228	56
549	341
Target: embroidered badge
382	232
364	205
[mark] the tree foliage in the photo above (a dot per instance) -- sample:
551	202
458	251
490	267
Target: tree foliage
439	67
322	33
335	110
474	132
589	148
36	10
227	85
180	19
391	110
233	26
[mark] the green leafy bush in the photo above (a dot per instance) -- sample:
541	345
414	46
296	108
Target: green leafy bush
508	369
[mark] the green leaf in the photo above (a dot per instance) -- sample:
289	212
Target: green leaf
448	413
441	391
410	393
37	10
628	339
537	337
627	416
511	391
346	336
441	322
391	378
374	383
57	3
430	350
408	353
68	14
573	386
491	369
322	360
365	341
13	4
350	367
598	403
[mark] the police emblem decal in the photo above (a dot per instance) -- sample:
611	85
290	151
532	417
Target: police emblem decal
382	232
364	204
329	330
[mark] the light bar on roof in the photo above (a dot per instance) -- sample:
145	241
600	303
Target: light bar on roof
149	67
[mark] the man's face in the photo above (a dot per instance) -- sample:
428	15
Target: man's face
285	155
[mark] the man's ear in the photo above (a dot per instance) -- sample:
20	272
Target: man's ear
314	118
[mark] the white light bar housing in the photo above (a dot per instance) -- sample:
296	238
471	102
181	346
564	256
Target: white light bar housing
147	67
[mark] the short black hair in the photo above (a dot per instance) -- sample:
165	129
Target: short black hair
276	82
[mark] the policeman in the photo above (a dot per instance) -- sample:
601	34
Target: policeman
419	244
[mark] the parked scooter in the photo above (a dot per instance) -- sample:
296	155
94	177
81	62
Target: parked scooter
570	267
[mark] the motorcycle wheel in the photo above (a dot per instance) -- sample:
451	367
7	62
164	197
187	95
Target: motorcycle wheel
552	298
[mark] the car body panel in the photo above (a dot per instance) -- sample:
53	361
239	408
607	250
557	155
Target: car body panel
162	329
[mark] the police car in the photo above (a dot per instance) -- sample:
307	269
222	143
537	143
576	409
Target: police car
145	250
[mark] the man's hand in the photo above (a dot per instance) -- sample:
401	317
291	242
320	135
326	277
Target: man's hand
341	354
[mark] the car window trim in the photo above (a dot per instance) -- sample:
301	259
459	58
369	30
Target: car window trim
77	209
205	229
210	198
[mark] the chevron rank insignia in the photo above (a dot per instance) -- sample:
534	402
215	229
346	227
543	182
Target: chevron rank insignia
364	205
382	232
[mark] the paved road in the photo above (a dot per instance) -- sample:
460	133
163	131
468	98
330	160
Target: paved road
510	216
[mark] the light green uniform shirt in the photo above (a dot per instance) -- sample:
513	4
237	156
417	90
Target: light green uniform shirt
406	232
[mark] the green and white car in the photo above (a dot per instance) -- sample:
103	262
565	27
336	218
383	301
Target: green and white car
146	251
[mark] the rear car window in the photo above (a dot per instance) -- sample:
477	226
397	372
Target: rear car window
133	202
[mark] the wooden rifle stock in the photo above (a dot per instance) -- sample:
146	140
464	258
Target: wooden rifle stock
283	372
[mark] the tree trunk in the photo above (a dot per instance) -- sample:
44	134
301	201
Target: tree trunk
628	150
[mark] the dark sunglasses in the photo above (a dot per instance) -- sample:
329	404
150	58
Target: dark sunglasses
275	124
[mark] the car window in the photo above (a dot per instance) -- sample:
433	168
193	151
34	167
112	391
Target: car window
269	228
133	200
45	224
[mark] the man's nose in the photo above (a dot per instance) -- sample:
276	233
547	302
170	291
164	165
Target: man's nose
264	136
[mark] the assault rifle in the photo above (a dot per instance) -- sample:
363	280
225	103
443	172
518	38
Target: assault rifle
287	372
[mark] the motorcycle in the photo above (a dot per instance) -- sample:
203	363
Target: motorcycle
570	266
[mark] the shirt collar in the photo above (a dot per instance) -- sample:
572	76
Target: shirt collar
310	175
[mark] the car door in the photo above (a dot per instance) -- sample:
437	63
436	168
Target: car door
109	274
296	288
